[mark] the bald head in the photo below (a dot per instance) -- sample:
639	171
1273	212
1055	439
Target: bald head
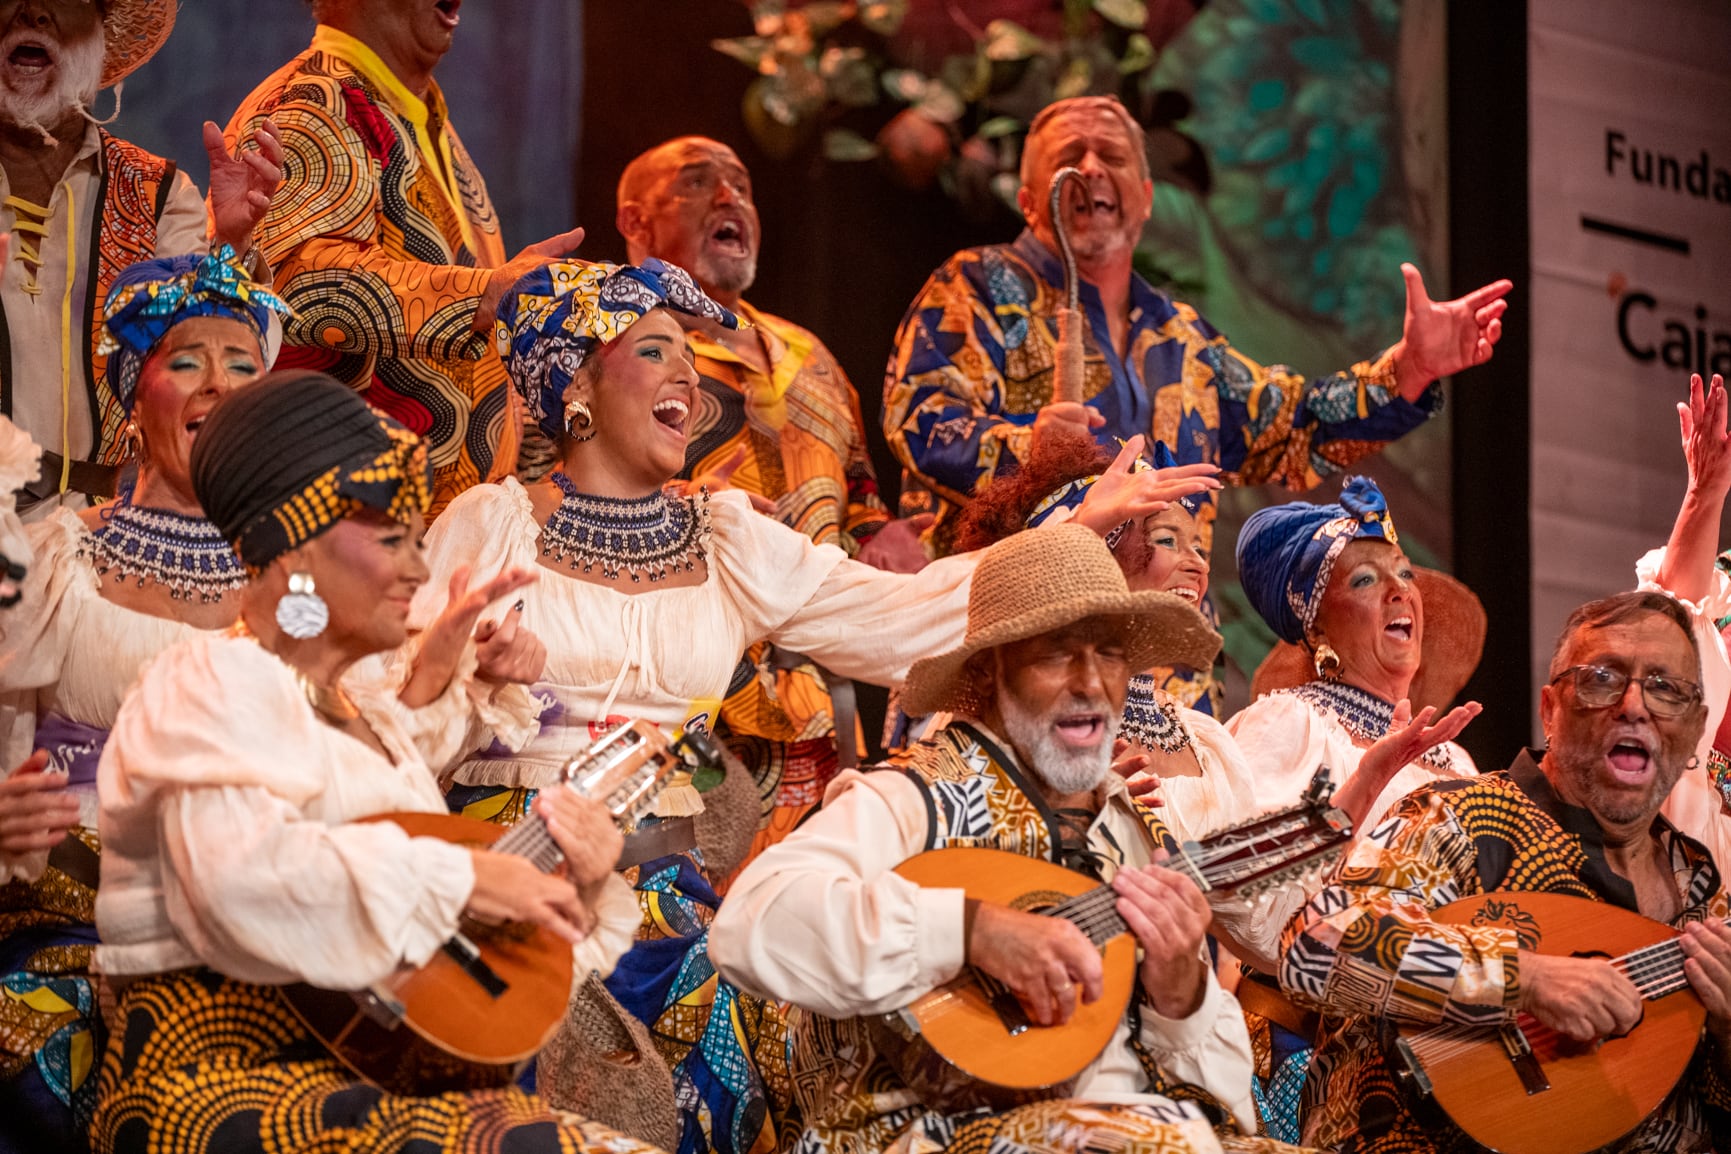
688	202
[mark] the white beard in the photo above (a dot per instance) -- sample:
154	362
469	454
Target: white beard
77	79
1063	769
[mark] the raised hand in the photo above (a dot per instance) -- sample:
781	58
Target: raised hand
243	182
1124	494
1443	337
540	253
1706	446
443	642
508	654
1407	739
1169	917
1046	962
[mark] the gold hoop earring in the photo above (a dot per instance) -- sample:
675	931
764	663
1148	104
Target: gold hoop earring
1326	662
578	417
134	438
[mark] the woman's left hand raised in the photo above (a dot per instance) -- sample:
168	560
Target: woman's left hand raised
442	643
1125	494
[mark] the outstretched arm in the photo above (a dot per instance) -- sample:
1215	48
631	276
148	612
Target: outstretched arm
1687	570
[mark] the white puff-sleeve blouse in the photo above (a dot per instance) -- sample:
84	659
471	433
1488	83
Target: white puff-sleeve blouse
666	655
231	833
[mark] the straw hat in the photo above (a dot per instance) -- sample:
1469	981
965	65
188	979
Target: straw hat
1454	638
132	32
1044	579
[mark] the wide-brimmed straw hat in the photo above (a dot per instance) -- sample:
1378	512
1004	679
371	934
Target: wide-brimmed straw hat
132	32
1454	639
1041	580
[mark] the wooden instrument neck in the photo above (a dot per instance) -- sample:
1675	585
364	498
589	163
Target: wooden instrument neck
1656	970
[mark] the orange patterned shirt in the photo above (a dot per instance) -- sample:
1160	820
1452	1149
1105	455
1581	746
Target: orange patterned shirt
805	450
382	238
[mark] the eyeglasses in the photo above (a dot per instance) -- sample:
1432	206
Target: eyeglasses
1600	687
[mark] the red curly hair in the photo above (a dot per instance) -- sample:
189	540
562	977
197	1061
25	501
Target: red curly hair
1004	508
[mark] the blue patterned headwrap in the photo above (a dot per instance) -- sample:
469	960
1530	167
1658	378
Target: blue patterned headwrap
1071	494
151	297
554	316
1287	552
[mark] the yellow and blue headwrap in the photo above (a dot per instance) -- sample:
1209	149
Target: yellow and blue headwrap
554	316
1287	552
151	297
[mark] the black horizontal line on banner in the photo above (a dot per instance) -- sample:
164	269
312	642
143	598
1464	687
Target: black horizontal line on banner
1639	235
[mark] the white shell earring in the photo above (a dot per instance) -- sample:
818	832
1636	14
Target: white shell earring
302	613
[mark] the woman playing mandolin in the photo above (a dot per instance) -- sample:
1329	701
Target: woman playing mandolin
232	789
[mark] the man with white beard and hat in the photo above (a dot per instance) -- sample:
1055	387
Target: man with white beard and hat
82	205
823	921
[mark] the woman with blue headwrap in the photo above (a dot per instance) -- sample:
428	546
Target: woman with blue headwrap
107	590
646	601
1334	580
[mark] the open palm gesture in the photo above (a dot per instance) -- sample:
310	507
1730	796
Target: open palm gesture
1444	337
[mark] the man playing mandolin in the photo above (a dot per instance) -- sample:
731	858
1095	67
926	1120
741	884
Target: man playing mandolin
1622	714
823	920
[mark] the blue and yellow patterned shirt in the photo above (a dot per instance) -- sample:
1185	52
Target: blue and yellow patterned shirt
973	365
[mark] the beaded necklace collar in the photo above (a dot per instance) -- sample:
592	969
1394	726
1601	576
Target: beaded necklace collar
654	535
1361	713
1151	721
187	555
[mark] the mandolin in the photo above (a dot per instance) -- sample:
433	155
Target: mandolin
1520	1088
969	1044
478	1010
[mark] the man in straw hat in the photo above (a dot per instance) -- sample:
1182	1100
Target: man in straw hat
1036	690
82	205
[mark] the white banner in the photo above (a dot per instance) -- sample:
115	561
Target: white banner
1630	144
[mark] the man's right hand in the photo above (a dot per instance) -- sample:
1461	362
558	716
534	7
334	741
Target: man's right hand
509	889
1064	419
546	252
1046	962
1584	999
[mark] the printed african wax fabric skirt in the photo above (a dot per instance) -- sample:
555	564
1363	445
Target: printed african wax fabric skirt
51	1033
1068	1126
727	1049
203	1064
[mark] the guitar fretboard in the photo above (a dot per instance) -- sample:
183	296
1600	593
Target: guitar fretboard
1656	970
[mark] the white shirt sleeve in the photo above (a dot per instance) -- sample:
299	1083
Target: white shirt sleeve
820	919
262	895
850	618
1210	1049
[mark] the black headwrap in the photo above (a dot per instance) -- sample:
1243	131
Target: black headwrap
282	460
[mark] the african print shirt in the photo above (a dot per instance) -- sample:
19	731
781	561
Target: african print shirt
1366	946
383	237
805	450
973	360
